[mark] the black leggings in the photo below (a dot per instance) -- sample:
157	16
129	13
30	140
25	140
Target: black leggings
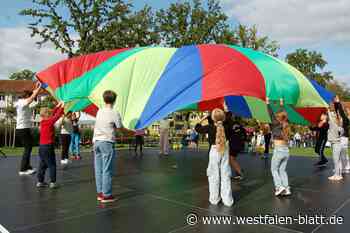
139	142
320	146
26	138
65	142
267	139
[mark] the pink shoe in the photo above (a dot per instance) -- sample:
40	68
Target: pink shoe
100	196
108	199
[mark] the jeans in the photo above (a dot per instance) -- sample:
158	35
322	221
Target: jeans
278	166
336	151
47	160
345	162
26	138
104	166
75	144
219	177
65	142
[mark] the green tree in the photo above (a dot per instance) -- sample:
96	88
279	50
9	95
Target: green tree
340	89
248	37
84	26
10	129
311	64
195	22
22	75
185	23
48	102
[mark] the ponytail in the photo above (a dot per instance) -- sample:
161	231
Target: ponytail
218	117
220	137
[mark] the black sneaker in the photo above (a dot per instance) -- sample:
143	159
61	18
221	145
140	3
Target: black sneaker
322	163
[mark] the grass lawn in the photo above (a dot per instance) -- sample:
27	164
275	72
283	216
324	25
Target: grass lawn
309	152
19	150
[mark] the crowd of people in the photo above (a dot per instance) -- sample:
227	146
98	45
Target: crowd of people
226	136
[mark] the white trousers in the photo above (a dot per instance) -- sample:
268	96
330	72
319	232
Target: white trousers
219	177
164	141
344	157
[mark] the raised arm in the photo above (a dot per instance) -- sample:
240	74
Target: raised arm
57	112
200	128
77	116
60	122
270	111
34	94
339	108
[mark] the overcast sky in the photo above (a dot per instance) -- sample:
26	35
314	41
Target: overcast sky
322	25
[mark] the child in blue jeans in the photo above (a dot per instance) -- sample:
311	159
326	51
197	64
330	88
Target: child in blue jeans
280	157
107	121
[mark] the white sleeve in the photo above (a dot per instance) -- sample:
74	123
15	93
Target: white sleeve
25	102
118	121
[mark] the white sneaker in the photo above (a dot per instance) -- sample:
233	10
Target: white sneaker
346	171
53	185
41	185
279	191
31	171
287	192
23	173
335	178
27	173
64	161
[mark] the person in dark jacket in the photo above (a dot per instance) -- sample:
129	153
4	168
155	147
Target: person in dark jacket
236	136
321	139
267	139
205	129
345	163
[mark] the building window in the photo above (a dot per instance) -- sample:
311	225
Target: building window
2	97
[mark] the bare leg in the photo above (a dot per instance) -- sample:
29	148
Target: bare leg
235	165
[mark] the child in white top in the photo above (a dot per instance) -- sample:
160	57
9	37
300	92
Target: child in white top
107	121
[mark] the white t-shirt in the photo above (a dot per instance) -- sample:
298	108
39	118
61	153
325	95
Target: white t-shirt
24	114
107	120
65	125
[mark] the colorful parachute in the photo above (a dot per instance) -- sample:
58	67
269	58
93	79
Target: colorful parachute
152	82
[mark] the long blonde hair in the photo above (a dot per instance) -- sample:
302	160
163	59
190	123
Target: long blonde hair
282	117
218	117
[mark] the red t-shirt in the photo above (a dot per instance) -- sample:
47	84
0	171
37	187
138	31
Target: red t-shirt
47	127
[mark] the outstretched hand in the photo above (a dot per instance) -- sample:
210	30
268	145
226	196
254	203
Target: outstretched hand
336	99
205	117
37	85
60	104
